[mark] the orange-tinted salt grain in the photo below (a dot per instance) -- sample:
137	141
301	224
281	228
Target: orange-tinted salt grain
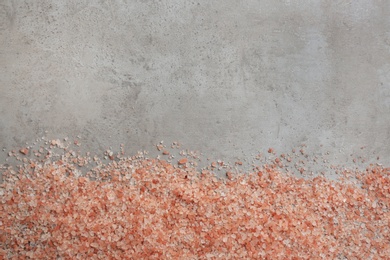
24	151
183	161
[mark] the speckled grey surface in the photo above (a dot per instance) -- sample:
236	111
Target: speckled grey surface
229	78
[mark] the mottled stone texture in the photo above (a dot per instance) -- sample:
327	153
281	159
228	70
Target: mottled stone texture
229	78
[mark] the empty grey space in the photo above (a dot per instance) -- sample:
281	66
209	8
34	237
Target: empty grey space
228	78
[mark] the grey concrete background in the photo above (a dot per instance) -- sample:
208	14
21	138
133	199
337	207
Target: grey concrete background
229	78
